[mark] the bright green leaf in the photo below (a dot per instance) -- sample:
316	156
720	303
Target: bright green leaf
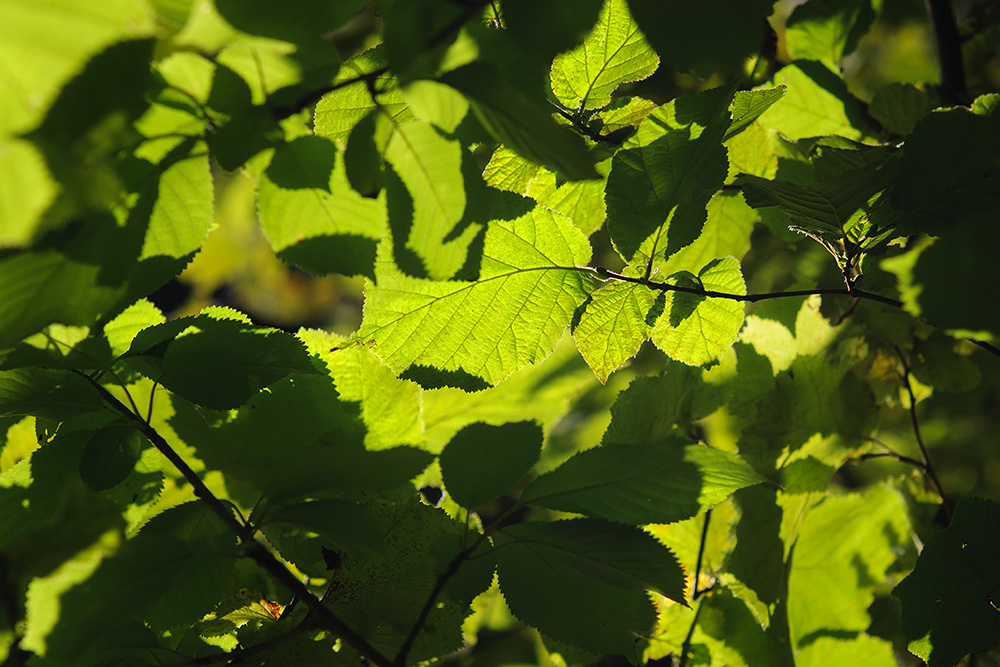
482	328
695	329
816	103
613	326
310	214
615	52
826	30
748	105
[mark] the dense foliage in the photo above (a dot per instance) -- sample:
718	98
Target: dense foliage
679	316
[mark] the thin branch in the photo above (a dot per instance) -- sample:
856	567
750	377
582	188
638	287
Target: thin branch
253	549
924	456
686	646
696	593
751	298
949	50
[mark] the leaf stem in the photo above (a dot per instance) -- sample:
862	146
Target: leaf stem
253	549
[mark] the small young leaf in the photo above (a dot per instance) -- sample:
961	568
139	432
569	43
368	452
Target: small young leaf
748	105
640	484
483	462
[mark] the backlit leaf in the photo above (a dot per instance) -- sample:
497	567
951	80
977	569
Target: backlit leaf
613	326
615	52
483	328
483	462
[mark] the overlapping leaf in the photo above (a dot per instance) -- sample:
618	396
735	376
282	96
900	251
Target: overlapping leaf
638	484
310	214
827	31
613	53
948	606
664	175
816	103
569	564
512	316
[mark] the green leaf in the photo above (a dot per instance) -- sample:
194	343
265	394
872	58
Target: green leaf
182	215
748	105
48	46
430	166
619	555
436	103
695	329
816	103
339	111
948	174
568	596
215	361
677	31
827	31
51	394
639	484
293	22
936	287
900	106
580	201
827	207
382	596
860	650
125	326
653	409
947	606
165	579
483	462
391	408
664	175
726	233
310	214
26	191
527	291
519	124
544	30
110	456
613	326
301	532
845	545
615	52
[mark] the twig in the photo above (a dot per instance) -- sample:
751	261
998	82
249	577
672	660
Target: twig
686	646
927	467
254	550
696	593
751	298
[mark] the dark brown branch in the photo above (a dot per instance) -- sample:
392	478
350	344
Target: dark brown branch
924	456
949	50
253	549
751	298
